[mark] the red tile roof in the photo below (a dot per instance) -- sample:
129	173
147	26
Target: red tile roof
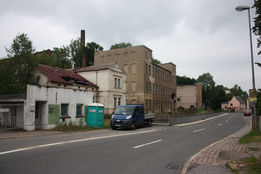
58	75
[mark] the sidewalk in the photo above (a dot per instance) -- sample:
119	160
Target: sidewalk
212	159
9	134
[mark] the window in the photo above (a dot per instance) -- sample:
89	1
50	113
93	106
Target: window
149	69
133	68
64	110
79	109
119	101
133	86
115	82
115	102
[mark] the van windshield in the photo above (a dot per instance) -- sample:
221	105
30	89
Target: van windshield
124	110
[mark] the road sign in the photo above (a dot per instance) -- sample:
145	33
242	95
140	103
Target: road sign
252	95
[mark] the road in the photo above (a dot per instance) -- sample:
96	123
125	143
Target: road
145	150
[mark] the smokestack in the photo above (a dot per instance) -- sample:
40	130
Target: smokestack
83	45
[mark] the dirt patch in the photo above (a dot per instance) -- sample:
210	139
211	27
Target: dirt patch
233	155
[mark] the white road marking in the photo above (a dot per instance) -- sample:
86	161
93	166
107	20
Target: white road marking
74	141
199	130
220	124
142	145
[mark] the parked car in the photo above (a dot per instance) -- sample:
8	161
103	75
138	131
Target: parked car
247	112
130	116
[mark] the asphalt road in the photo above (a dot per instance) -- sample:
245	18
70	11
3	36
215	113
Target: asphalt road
146	150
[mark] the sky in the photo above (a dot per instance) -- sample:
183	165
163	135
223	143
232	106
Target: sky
197	36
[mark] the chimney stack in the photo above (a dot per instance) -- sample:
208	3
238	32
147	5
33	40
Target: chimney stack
83	45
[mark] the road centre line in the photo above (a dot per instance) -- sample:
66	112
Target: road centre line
220	124
199	130
146	144
74	141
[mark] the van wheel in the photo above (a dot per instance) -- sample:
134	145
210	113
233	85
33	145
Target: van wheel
132	126
149	123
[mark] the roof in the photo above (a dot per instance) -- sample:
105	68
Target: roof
12	98
241	101
96	104
93	68
58	75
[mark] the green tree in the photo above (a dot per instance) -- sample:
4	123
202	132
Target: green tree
207	82
257	24
183	80
156	61
237	91
17	72
120	45
216	97
21	45
76	52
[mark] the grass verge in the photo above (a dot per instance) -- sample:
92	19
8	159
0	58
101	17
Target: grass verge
253	136
74	127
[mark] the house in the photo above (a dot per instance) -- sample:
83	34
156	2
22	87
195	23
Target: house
146	82
111	80
236	104
60	96
189	96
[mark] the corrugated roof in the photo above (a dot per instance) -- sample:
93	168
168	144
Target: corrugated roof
241	101
93	68
58	75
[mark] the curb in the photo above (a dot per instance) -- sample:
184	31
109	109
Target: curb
199	121
187	164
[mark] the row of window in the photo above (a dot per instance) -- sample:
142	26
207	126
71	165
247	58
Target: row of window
157	105
126	53
157	89
157	72
65	110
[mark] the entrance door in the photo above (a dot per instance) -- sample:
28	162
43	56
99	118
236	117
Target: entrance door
39	113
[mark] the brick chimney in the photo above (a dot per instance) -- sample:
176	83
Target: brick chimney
83	45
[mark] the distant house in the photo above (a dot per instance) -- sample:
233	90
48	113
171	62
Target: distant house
60	96
236	104
111	80
189	96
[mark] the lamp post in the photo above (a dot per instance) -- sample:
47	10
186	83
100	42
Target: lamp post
240	9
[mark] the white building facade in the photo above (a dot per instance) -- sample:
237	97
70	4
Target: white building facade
111	80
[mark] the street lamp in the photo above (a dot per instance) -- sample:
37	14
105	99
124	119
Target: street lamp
240	9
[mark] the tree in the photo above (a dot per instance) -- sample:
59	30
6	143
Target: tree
21	45
76	52
156	61
17	72
207	82
183	80
257	25
121	45
216	97
237	91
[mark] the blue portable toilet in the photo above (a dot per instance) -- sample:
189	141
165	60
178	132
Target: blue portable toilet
95	115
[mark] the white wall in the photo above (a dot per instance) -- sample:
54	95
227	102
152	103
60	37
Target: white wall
105	82
52	96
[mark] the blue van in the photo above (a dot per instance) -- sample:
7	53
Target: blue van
130	116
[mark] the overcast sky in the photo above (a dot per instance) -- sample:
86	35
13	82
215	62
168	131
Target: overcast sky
197	35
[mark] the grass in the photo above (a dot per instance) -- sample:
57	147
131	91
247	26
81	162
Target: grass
253	136
250	165
253	148
73	127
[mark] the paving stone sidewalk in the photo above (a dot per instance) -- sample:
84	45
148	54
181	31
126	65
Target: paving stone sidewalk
209	158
